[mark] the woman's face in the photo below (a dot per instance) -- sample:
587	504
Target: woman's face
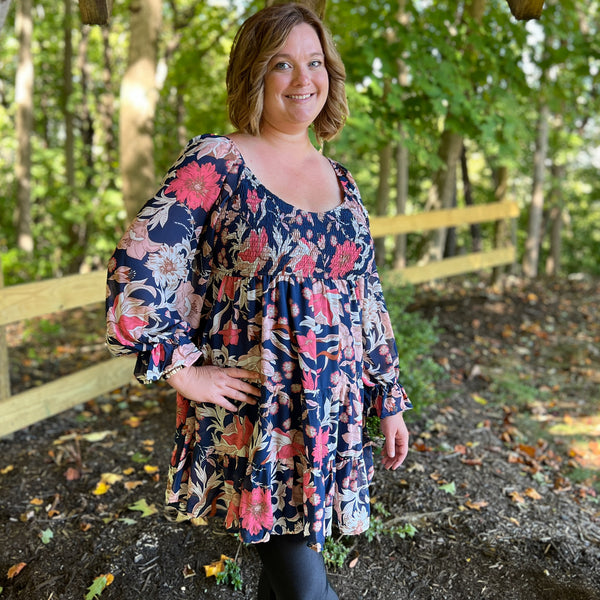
296	83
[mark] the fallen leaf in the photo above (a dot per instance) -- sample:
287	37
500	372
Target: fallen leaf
6	469
128	471
36	501
101	488
97	436
15	570
133	422
111	478
516	497
150	469
131	485
72	474
218	566
479	399
99	584
145	508
46	536
188	571
353	562
477	505
449	488
533	494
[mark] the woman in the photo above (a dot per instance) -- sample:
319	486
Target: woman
249	283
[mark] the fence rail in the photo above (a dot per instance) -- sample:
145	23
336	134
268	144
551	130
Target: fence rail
30	300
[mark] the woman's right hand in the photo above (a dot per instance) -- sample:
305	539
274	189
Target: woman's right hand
216	385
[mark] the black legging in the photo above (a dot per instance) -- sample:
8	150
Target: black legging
292	571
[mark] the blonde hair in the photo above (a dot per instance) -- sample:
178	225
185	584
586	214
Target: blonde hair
259	39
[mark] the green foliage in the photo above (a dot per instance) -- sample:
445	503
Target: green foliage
335	552
230	575
415	337
485	81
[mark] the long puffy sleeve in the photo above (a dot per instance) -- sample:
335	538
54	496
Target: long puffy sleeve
383	390
158	274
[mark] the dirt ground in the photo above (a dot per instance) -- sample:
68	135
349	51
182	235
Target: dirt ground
501	482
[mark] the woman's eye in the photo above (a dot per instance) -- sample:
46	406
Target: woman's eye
282	66
316	63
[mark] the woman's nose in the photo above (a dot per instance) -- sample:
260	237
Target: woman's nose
301	76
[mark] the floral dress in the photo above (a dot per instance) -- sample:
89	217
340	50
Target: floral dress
217	270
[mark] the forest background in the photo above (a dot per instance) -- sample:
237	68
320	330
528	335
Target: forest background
451	103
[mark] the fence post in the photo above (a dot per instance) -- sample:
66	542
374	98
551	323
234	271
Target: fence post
4	367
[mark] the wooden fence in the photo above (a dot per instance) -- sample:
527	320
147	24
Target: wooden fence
30	300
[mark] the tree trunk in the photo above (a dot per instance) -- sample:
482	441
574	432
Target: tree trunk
402	156
501	229
468	192
24	124
556	222
106	108
138	106
532	246
401	200
441	193
4	7
67	91
383	196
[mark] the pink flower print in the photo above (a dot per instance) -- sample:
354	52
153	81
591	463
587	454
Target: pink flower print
306	266
307	344
253	201
344	258
256	244
320	305
320	451
195	185
255	510
136	241
308	487
127	319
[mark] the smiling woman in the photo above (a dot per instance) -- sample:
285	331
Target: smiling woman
249	283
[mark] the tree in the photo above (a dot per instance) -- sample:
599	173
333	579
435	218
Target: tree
138	104
24	124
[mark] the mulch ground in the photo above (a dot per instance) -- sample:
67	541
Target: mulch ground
501	482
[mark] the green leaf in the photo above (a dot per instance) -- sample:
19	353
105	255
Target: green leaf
449	488
46	536
98	586
146	509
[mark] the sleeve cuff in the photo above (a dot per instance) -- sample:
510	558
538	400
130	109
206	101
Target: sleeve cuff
164	360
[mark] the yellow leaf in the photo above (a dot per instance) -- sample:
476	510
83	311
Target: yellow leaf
6	469
133	422
218	566
215	567
36	501
110	478
479	399
128	471
101	488
150	469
